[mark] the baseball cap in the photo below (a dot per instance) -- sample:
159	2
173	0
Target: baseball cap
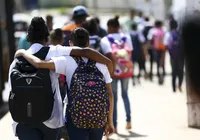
80	11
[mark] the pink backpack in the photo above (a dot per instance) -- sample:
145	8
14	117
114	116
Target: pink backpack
123	57
158	39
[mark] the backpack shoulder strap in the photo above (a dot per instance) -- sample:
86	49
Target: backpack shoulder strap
110	39
42	53
79	61
91	63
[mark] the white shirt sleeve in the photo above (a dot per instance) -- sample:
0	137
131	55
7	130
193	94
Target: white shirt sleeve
60	64
61	51
166	39
129	42
150	34
105	72
105	46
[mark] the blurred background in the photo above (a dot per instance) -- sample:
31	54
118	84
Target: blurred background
157	112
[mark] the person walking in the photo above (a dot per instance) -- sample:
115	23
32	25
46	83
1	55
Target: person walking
119	46
89	102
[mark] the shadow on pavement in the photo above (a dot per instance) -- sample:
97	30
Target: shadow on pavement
131	135
3	110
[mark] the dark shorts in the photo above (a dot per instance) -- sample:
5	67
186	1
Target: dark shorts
39	132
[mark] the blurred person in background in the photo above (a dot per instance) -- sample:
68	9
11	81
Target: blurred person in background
79	16
148	48
138	54
172	42
92	27
156	37
101	32
49	22
131	20
118	47
23	43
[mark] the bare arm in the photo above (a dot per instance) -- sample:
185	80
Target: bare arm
36	62
110	56
93	55
111	100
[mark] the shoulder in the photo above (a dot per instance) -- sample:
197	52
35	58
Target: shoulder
69	27
102	68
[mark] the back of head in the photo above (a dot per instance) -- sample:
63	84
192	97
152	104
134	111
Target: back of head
114	22
38	31
56	36
173	24
80	37
190	33
146	19
91	26
134	26
79	14
158	23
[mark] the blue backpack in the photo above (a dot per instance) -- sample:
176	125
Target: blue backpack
174	45
88	97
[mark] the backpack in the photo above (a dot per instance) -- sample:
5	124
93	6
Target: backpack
31	99
158	40
88	97
174	46
146	31
95	43
123	58
136	43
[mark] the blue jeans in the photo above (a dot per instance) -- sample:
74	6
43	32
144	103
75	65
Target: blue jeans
38	132
75	133
124	88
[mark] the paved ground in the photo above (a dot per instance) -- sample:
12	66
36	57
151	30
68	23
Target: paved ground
157	114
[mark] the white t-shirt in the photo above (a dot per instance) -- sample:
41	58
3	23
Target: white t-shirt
166	39
56	120
66	65
106	46
152	32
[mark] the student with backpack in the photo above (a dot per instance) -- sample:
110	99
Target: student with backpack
119	47
156	36
89	100
34	101
79	16
92	27
172	42
138	55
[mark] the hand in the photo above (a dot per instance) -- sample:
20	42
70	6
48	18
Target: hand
109	129
20	53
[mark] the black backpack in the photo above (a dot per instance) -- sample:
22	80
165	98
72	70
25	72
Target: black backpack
31	99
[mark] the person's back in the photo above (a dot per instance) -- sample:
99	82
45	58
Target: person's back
78	17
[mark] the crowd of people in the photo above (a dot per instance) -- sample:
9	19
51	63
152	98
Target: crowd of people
127	45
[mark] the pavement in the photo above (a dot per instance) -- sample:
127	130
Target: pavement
157	114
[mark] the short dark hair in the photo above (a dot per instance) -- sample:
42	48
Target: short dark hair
134	26
56	35
79	37
37	31
91	26
114	22
173	24
158	23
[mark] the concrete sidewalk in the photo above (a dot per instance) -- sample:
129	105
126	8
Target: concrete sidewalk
157	114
